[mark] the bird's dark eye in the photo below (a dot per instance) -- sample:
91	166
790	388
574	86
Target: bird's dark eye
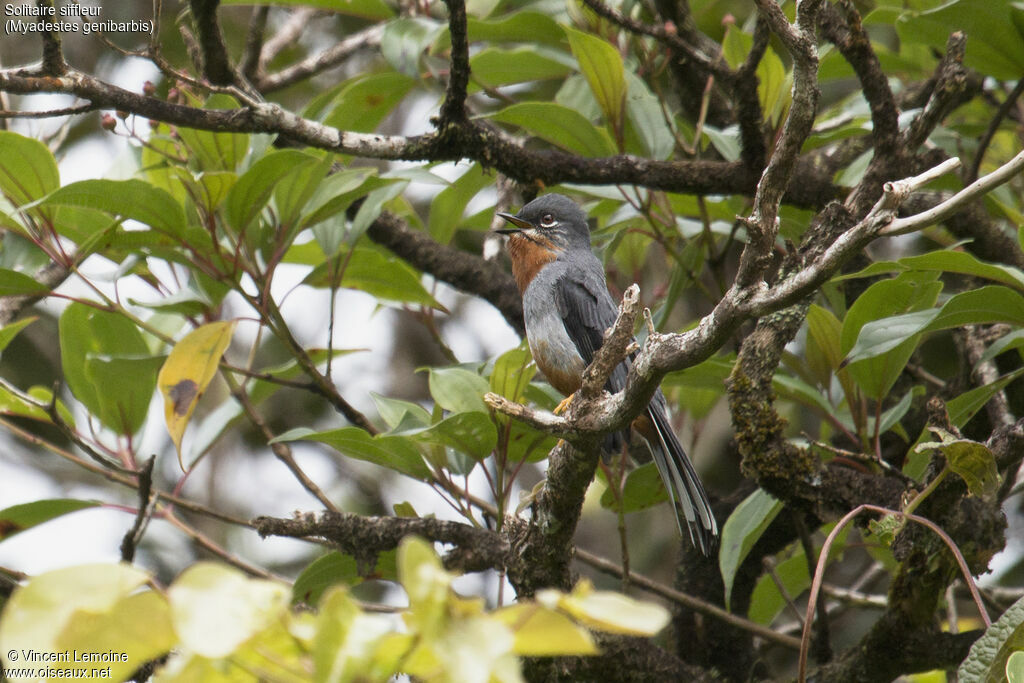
548	221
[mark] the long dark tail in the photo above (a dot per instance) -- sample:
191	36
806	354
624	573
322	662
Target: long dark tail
684	487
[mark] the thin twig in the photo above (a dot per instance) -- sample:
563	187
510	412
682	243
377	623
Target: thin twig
819	572
688	601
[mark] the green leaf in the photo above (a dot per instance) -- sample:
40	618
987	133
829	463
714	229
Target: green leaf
973	461
1015	667
404	41
469	433
742	530
251	193
125	387
216	608
907	292
643	489
370	271
395	411
371	209
447	207
14	402
458	390
215	151
986	662
28	171
559	125
766	601
647	120
332	196
601	64
13	283
135	199
327	570
296	188
494	66
396	453
526	443
18	518
365	101
1013	340
9	332
522	26
995	43
95	343
986	305
726	141
963	407
949	261
512	373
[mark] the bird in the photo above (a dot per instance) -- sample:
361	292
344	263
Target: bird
567	308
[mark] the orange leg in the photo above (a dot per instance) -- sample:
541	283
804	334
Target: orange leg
564	405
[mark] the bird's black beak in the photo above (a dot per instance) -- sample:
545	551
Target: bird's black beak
519	224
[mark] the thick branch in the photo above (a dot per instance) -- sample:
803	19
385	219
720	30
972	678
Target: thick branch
453	109
366	537
472	140
845	31
762	228
215	61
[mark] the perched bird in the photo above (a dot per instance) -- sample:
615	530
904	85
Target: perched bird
567	309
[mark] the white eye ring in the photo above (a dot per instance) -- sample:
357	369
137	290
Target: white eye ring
548	221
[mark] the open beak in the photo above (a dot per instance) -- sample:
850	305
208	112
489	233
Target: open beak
519	224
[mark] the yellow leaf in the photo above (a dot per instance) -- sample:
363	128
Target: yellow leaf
614	612
187	372
541	632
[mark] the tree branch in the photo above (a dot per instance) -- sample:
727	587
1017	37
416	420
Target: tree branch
472	140
216	64
366	537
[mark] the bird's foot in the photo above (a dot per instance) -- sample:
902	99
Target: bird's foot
564	405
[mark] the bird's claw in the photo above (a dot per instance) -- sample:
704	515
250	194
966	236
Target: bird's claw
564	405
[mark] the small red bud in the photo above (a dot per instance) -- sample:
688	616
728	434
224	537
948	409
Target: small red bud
154	124
728	20
108	122
122	114
173	94
670	28
148	88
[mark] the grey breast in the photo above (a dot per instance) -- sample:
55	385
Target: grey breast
552	348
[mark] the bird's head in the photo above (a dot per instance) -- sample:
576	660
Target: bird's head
553	221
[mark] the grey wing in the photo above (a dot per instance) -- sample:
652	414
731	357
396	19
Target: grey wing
587	310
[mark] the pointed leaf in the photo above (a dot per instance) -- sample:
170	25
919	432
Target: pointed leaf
397	453
18	518
601	64
458	389
133	199
28	171
187	372
559	125
13	283
987	659
742	530
542	632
